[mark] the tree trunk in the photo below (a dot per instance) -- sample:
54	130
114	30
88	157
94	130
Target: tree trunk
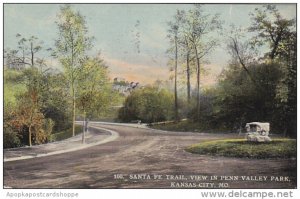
32	54
276	44
188	71
188	76
23	58
84	127
29	136
73	86
198	82
74	111
29	128
175	86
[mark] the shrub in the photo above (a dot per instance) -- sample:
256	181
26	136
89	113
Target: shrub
11	138
148	104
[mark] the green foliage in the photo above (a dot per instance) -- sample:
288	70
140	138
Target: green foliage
109	110
190	126
278	148
252	88
67	133
72	42
11	138
12	75
59	115
55	101
71	48
186	125
239	97
121	83
271	28
148	104
191	42
25	55
27	115
94	91
237	100
29	112
12	86
48	127
279	33
28	118
39	101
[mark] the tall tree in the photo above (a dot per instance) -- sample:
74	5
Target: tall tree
26	53
71	47
187	58
199	27
287	86
173	35
22	46
241	50
271	27
280	34
93	87
94	84
34	48
28	117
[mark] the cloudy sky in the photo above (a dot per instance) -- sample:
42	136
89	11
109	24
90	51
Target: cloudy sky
117	29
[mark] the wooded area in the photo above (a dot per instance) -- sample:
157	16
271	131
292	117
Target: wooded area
252	87
39	101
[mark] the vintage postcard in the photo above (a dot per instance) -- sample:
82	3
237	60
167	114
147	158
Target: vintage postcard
173	96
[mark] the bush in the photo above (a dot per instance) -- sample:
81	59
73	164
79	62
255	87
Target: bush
65	134
11	139
148	104
59	116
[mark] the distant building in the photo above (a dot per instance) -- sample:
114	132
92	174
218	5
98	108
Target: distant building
119	79
124	87
13	62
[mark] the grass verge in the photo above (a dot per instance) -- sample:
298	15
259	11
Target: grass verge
187	126
241	148
65	134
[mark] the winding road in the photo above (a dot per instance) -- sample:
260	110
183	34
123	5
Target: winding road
138	153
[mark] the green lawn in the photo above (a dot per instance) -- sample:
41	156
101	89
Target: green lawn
12	86
278	148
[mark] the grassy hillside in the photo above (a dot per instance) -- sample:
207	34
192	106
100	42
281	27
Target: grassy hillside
12	86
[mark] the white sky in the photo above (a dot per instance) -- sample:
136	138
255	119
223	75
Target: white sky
113	26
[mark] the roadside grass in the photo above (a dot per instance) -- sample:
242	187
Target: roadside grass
62	135
241	148
186	126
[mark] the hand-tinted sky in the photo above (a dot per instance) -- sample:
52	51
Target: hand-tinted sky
118	27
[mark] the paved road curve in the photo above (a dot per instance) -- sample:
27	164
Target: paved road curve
146	151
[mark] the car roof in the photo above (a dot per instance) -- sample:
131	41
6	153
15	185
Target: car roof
262	125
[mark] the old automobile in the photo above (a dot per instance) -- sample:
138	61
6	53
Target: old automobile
258	132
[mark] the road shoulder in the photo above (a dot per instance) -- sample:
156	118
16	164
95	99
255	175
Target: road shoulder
95	136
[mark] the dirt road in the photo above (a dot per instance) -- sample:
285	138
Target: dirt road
146	158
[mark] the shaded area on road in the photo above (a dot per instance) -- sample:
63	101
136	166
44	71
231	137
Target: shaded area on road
142	151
